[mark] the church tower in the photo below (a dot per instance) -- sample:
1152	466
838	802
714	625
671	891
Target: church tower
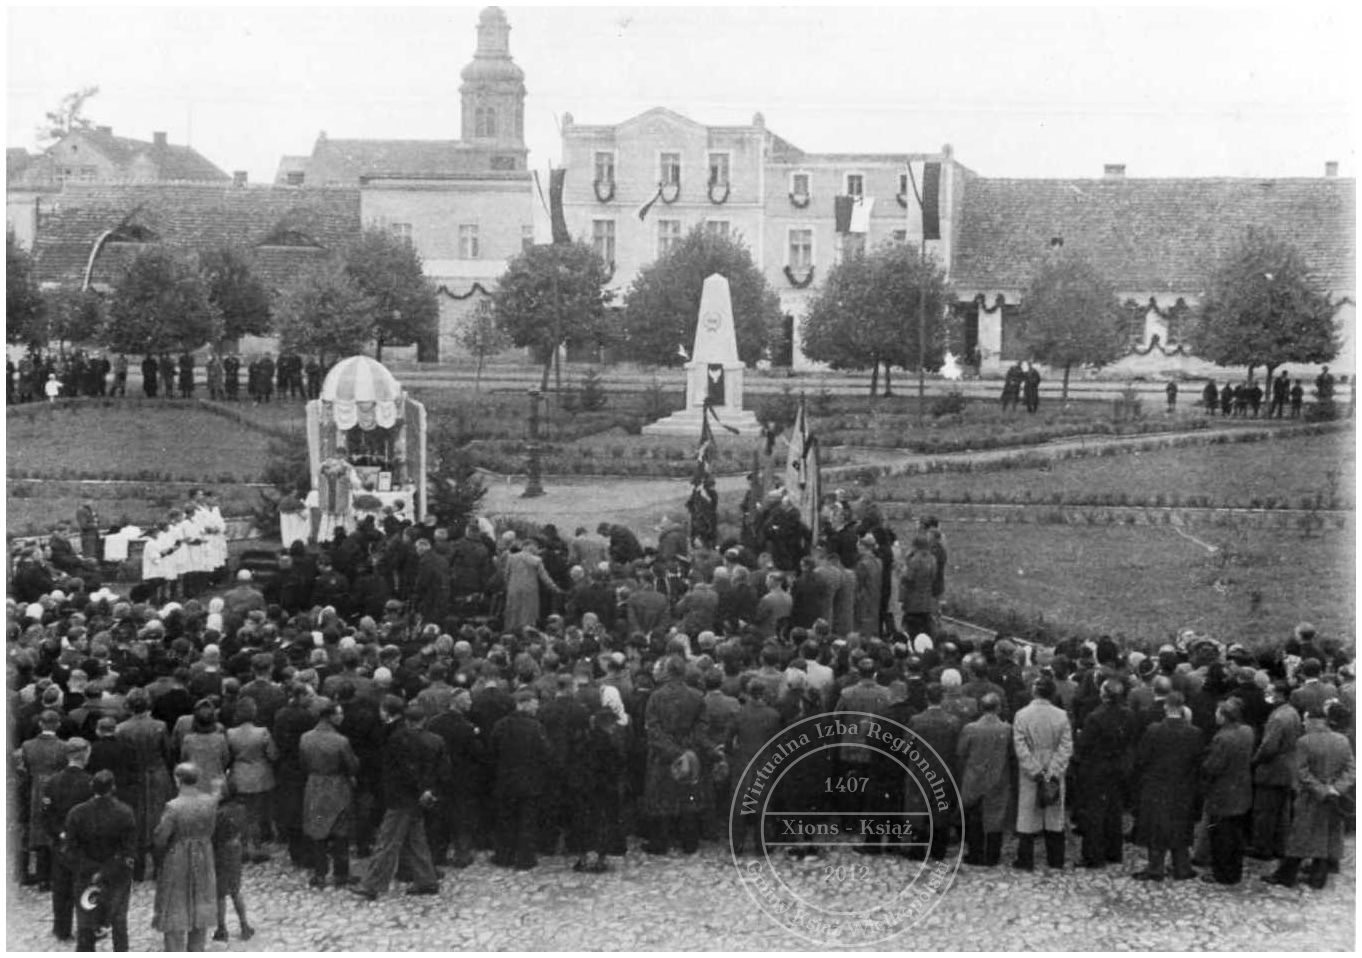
493	95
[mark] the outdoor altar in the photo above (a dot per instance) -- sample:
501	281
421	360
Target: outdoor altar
366	444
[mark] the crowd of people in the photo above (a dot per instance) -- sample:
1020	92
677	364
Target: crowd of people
415	696
52	375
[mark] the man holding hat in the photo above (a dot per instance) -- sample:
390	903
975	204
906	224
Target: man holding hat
101	835
63	792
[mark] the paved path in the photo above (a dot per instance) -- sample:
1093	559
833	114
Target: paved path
697	904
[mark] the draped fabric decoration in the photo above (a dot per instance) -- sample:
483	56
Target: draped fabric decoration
799	200
716	196
998	303
360	391
333	490
606	195
475	288
795	281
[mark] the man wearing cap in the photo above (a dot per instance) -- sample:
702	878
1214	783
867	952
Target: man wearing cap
1325	770
101	835
63	792
1274	776
39	759
109	752
414	763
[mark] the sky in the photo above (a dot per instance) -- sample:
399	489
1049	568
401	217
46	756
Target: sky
1018	91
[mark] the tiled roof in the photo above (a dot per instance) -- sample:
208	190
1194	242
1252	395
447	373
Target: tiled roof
17	160
170	161
190	217
291	164
1148	234
345	161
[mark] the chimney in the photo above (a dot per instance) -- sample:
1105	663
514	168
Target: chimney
1114	171
106	130
159	139
1331	168
238	178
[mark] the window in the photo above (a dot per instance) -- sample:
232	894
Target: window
668	235
603	240
799	184
605	167
468	241
294	178
716	227
526	237
402	231
485	121
900	236
718	168
670	172
855	184
519	121
801	249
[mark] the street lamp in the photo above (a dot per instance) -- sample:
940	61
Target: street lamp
533	486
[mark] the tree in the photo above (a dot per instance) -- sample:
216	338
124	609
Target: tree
551	295
24	321
66	116
236	291
1263	307
323	312
73	316
482	337
662	305
867	312
388	270
1070	315
456	487
160	305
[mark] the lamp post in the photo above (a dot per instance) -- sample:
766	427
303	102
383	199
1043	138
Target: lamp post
533	486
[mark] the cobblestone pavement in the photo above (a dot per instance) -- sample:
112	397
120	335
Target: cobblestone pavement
697	904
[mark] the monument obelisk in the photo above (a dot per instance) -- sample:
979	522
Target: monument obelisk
714	374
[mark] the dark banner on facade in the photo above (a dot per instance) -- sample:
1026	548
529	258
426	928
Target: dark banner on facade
931	206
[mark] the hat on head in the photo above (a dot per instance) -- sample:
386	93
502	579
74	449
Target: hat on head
922	643
106	724
74	746
244	575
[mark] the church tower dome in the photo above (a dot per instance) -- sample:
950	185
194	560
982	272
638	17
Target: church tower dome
493	89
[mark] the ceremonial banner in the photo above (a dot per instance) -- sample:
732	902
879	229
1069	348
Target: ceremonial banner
561	236
643	210
842	211
860	215
931	201
802	478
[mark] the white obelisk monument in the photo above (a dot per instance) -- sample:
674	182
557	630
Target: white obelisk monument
714	373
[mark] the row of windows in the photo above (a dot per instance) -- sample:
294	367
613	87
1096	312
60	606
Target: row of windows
487	122
799	249
669	173
668	168
470	245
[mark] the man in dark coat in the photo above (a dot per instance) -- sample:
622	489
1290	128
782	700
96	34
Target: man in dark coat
1031	388
414	765
330	765
149	381
231	376
1167	763
109	752
1103	751
567	722
266	387
430	592
290	722
1227	770
915	588
1325	771
520	749
941	730
1274	776
186	376
458	806
101	837
674	726
1210	397
63	792
167	368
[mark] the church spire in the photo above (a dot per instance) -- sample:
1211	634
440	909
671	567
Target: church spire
493	90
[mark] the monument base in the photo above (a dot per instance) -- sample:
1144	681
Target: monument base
686	422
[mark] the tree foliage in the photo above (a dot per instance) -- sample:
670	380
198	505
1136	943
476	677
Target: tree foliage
73	315
662	305
388	270
482	337
551	295
24	321
236	291
867	311
323	312
160	304
456	489
1070	315
66	116
1264	307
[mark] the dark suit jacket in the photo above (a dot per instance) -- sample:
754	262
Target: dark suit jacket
102	832
522	753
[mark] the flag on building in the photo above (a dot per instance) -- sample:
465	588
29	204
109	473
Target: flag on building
860	215
561	236
643	210
704	453
803	480
842	209
931	201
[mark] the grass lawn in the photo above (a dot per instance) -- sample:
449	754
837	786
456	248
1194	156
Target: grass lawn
131	439
1150	582
1233	474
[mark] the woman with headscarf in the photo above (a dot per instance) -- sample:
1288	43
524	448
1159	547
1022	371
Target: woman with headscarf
186	887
